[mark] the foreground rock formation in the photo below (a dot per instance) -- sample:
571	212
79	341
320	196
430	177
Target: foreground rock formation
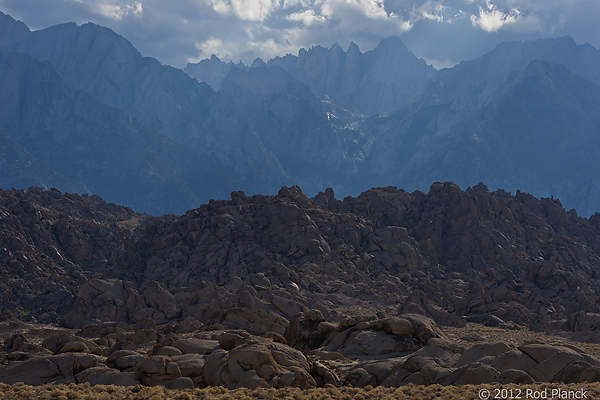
278	291
389	352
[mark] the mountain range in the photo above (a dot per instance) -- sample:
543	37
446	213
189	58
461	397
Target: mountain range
83	111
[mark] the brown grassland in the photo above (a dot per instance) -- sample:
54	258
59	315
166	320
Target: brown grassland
108	392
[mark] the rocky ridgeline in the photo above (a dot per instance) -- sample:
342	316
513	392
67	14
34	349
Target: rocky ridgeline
449	254
286	290
52	243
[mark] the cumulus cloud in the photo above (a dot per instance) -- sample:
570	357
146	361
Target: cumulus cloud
185	30
115	10
306	18
365	16
246	51
430	10
213	46
248	10
491	19
372	9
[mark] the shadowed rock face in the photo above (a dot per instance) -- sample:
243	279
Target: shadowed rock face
394	351
257	261
286	290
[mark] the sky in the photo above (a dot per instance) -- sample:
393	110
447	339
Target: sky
443	32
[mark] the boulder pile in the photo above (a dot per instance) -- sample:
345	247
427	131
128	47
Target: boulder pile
391	351
286	290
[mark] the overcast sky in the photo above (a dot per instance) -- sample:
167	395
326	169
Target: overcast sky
443	32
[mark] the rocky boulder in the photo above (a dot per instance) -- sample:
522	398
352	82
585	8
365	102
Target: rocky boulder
257	362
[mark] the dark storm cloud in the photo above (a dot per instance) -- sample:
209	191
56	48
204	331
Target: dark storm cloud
443	32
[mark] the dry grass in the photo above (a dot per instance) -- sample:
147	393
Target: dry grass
433	392
132	223
516	337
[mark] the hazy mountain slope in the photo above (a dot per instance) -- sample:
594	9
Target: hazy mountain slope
97	60
212	71
377	81
290	121
532	128
471	85
11	30
541	135
111	153
582	60
298	119
21	170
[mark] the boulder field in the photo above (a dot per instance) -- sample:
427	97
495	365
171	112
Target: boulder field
286	290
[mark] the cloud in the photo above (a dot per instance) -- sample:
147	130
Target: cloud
430	10
286	26
246	51
114	10
213	46
371	9
491	19
367	16
449	30
247	10
306	18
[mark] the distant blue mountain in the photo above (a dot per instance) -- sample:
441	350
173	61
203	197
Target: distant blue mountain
514	119
368	83
101	148
20	169
96	115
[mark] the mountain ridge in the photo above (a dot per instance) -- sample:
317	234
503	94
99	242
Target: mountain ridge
399	231
100	146
361	284
346	77
302	119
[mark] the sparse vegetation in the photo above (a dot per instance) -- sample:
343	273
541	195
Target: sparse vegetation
437	392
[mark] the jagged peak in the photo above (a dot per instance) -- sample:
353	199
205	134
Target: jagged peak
12	30
6	19
567	39
64	27
72	31
545	68
353	48
336	47
107	32
391	41
258	62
